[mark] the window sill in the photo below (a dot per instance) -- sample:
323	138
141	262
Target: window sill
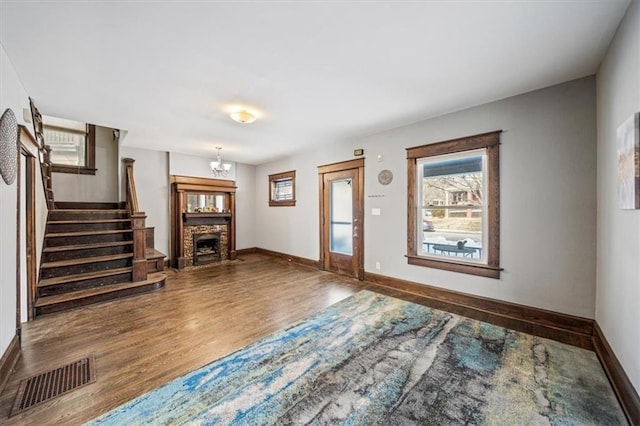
288	203
461	267
73	170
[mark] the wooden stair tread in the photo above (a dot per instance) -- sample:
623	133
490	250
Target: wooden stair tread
90	210
86	221
84	276
80	294
83	260
151	253
86	246
79	233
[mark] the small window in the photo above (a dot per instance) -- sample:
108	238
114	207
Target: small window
72	145
454	205
282	189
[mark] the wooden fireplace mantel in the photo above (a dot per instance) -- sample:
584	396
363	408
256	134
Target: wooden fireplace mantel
181	186
205	218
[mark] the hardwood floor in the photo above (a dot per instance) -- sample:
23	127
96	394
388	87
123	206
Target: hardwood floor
144	341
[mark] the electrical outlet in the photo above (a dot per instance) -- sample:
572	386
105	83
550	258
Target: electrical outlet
377	265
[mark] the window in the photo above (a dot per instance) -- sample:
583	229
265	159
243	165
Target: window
72	145
453	210
282	189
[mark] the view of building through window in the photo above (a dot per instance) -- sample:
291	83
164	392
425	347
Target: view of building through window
69	141
67	146
283	189
452	207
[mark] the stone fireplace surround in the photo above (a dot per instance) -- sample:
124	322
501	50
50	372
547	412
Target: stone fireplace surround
191	232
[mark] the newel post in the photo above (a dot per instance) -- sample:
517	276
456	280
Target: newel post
138	225
139	246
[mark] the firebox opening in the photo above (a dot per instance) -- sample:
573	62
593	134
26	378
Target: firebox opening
206	248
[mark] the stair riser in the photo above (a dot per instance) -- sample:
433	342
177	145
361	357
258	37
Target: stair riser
78	254
155	265
90	215
49	309
64	271
87	239
89	205
53	290
79	226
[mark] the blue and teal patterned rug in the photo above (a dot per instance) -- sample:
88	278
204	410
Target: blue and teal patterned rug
372	359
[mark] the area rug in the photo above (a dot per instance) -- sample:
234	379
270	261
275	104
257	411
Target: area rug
372	359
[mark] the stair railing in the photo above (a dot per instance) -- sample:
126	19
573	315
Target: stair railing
44	157
137	224
46	167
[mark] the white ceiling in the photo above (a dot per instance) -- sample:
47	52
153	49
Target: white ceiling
315	72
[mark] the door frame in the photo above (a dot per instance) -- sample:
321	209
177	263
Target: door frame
29	233
358	246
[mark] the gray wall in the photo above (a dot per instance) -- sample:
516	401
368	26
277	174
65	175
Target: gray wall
196	166
618	260
245	206
548	221
293	230
15	97
151	173
101	187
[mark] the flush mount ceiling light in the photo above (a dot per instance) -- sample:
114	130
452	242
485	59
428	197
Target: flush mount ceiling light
218	168
243	117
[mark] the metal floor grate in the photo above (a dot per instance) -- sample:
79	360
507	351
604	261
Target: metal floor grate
53	383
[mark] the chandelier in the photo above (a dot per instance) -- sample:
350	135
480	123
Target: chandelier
218	168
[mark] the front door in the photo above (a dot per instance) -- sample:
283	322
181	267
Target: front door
341	216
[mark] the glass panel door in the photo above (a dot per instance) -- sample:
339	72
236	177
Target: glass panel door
341	221
341	218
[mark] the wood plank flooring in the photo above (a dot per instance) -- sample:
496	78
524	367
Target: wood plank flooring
144	341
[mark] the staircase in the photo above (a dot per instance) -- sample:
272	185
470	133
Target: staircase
88	257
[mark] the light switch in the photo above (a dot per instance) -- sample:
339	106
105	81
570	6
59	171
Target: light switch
375	212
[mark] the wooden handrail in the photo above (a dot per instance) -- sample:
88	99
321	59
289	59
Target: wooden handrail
44	158
138	225
132	195
44	155
46	168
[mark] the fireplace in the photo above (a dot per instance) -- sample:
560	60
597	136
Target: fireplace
206	248
202	209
